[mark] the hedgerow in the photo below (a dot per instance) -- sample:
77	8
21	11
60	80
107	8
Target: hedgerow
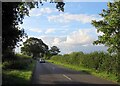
99	61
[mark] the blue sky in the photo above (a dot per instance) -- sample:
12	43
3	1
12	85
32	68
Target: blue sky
70	30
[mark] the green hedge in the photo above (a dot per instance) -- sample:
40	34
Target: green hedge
99	61
19	62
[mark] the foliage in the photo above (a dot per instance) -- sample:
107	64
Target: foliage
17	76
54	50
85	70
48	55
11	32
19	62
21	56
13	14
110	27
98	61
34	47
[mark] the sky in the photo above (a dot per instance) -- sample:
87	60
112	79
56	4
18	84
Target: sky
70	31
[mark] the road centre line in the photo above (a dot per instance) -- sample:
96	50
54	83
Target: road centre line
67	77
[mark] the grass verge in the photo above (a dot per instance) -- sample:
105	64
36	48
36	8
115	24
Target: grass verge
101	74
17	76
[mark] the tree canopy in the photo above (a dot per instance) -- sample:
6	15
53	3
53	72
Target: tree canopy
34	47
11	32
110	27
54	50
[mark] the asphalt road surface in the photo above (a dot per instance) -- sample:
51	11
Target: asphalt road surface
48	73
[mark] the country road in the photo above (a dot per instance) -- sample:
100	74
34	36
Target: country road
48	73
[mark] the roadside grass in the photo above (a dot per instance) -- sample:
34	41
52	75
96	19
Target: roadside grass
102	74
18	76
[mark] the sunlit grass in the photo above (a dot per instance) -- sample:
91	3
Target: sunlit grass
17	76
101	74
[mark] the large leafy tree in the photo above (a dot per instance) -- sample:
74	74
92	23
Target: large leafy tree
11	32
34	47
13	14
110	27
54	50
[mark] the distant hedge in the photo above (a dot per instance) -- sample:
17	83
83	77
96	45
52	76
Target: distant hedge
99	61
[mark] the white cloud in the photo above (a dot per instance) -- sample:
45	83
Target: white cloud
80	40
58	40
66	18
47	30
47	39
41	11
79	37
36	30
50	30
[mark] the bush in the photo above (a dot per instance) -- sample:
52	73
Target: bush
21	62
99	61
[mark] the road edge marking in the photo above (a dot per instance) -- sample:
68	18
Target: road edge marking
67	77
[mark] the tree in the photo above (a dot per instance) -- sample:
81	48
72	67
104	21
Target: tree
13	14
110	27
10	30
54	50
34	47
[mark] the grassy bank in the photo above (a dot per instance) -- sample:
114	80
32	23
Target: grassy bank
17	74
101	74
101	64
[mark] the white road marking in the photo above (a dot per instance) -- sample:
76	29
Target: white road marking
67	77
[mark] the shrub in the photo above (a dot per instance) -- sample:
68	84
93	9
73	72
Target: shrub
21	62
99	61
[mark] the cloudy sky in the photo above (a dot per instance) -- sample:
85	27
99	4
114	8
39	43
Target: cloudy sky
70	30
